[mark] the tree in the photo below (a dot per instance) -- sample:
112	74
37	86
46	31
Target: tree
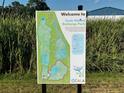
34	5
16	4
17	8
38	4
42	6
34	1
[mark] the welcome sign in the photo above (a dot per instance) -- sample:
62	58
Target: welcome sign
61	47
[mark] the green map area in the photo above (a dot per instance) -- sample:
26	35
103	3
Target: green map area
52	51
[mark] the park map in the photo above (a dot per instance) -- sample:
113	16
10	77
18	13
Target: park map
53	51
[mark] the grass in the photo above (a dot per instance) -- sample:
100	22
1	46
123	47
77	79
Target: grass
105	83
105	52
104	45
105	41
95	83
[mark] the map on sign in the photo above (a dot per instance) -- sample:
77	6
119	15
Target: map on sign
77	39
54	49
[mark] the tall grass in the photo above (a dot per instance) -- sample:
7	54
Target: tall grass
104	45
18	48
17	40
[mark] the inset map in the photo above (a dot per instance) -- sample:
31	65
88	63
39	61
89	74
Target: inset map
78	44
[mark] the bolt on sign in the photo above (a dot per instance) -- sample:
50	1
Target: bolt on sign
61	47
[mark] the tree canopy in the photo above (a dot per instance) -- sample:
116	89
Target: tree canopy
17	8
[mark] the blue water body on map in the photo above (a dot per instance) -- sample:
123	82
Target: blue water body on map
61	52
78	44
58	71
45	58
44	35
43	19
55	70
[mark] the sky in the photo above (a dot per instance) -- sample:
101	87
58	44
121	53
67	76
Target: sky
72	4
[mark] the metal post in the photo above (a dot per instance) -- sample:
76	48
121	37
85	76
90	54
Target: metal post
80	7
79	88
43	88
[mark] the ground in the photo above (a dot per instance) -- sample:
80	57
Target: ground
95	83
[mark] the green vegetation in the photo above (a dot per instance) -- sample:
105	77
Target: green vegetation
96	83
105	53
105	41
18	46
17	41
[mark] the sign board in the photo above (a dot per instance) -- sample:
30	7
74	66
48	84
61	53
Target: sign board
61	47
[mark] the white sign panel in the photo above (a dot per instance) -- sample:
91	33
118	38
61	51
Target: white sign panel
61	47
